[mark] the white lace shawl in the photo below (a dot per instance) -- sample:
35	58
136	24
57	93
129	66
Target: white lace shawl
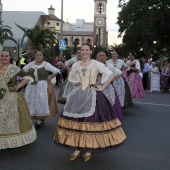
76	68
44	64
155	69
71	61
114	70
129	63
119	65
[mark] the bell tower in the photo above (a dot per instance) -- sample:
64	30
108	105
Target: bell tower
100	17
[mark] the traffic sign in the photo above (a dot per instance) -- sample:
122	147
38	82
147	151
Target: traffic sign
62	45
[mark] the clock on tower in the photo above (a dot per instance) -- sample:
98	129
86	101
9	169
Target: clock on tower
100	21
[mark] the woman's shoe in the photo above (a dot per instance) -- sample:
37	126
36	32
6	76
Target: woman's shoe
73	157
39	123
87	157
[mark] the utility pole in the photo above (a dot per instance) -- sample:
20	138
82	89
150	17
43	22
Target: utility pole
61	36
1	47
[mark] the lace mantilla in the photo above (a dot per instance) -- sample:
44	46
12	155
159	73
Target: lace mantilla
130	63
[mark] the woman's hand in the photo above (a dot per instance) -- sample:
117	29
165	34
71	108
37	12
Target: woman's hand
76	85
48	79
16	87
99	88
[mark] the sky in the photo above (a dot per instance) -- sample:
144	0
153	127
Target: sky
72	10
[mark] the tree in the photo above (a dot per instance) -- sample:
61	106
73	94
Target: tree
144	22
6	34
39	38
121	49
96	50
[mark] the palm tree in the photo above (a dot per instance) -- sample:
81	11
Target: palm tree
6	34
39	38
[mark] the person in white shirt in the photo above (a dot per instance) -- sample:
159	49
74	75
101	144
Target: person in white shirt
120	64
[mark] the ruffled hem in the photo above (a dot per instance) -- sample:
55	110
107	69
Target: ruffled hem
89	140
85	126
17	140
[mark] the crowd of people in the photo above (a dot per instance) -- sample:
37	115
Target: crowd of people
156	79
94	93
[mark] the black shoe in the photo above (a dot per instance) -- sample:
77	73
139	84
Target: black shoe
38	126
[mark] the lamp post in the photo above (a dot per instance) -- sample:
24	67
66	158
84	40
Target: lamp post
61	36
18	49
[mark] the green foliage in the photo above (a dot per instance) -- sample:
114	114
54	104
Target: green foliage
143	21
96	50
51	52
6	34
40	38
121	49
67	53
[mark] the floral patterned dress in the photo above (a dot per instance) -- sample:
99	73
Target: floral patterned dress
16	127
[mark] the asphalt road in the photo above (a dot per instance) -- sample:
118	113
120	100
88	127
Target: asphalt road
146	124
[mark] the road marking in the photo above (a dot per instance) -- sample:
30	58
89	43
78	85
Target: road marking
153	104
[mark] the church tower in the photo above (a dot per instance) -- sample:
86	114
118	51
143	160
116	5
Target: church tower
100	33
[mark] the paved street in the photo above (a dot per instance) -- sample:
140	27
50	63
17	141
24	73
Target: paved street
146	124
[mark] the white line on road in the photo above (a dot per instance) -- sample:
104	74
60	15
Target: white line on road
153	104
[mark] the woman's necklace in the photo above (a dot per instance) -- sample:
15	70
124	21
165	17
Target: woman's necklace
3	68
85	69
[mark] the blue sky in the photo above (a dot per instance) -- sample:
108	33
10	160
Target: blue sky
73	9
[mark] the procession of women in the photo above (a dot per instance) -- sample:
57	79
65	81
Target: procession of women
94	95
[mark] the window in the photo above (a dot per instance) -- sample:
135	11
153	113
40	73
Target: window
57	24
77	41
66	40
48	23
88	40
100	8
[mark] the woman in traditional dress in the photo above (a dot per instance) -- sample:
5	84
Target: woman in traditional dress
68	86
110	91
134	78
123	91
16	128
165	77
154	78
88	121
40	95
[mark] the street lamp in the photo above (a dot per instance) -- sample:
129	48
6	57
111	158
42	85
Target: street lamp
154	42
15	50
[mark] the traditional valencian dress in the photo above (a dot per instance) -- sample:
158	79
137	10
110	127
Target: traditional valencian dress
154	79
121	85
67	86
134	79
16	127
40	95
111	93
88	121
164	81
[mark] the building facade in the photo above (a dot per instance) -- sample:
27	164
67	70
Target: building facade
100	23
82	31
